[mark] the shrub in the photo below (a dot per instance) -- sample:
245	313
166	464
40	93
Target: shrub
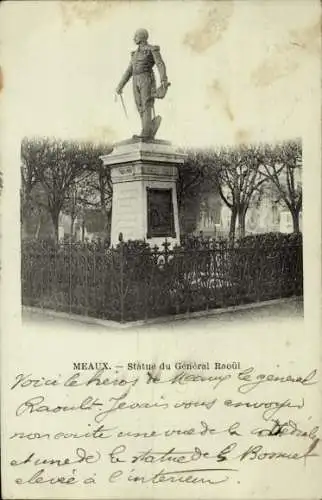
267	266
270	239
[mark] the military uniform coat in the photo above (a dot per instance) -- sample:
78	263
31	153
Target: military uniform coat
141	70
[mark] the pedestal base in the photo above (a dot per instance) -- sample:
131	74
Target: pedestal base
144	205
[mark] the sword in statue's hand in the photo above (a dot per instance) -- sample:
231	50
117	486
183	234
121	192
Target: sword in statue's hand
122	101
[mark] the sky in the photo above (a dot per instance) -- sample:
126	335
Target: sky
240	71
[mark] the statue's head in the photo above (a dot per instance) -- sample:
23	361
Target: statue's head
141	35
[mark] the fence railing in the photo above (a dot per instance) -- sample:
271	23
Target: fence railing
133	281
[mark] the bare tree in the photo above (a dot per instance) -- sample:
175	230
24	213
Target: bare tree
239	181
101	185
233	172
196	178
93	192
33	203
78	198
282	166
58	165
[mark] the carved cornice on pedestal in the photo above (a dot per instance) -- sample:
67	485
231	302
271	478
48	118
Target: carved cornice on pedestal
139	150
139	171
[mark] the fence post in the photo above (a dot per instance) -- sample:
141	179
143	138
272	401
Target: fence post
121	276
146	292
70	276
166	246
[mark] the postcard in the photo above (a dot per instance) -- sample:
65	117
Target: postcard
161	249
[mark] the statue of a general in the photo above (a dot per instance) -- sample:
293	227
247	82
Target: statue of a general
144	85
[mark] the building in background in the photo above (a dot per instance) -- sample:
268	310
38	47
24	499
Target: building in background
265	216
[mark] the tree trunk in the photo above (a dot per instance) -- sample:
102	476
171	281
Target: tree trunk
55	219
72	222
106	220
107	226
83	230
232	227
242	223
296	220
38	227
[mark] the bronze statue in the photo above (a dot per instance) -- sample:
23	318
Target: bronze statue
144	85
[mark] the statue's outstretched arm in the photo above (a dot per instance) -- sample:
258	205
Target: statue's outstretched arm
125	78
160	64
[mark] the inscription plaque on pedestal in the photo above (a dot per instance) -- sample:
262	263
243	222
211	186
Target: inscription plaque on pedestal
160	213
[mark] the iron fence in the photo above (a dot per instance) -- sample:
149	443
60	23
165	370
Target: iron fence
133	281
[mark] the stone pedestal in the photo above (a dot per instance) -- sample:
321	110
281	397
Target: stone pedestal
144	206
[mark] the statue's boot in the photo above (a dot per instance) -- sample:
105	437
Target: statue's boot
156	122
154	127
146	118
